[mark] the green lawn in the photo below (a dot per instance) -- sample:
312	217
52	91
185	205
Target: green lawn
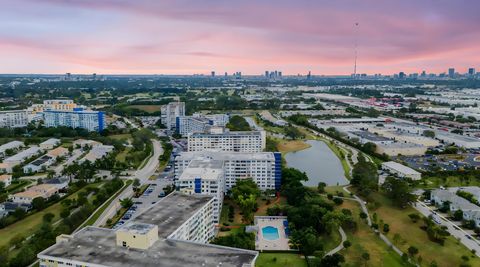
412	235
450	181
280	259
365	240
104	206
31	223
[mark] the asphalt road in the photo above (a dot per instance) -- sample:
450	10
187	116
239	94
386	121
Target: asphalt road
466	239
142	174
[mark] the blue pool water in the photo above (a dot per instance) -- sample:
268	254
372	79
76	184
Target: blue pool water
270	233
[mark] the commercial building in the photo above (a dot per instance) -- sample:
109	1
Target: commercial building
170	113
220	138
172	233
13	145
78	118
13	118
50	143
263	167
401	170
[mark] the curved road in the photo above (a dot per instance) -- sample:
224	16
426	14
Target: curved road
142	174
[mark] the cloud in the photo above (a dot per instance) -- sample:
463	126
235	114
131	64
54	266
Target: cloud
121	35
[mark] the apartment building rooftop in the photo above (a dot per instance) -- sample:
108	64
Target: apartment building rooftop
225	155
93	245
97	246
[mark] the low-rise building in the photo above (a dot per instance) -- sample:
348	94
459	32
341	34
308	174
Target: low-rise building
172	233
401	170
42	163
83	143
23	155
42	190
50	144
6	179
470	210
97	152
405	149
12	146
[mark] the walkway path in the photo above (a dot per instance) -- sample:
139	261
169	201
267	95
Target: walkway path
339	247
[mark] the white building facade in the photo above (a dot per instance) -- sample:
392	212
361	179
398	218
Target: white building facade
13	118
170	113
78	118
219	138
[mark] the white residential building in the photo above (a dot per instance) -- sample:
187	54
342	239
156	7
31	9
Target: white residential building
401	170
263	167
219	138
23	155
97	152
170	113
186	125
78	118
13	118
13	145
199	123
205	176
172	233
50	143
6	179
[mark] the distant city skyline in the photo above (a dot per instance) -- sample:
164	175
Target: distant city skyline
198	37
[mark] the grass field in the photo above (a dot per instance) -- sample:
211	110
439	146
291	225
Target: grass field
450	181
365	240
412	235
30	224
280	259
104	206
147	108
286	146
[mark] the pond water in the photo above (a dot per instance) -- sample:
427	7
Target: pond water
319	163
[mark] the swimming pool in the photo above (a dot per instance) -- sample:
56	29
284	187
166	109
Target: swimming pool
270	233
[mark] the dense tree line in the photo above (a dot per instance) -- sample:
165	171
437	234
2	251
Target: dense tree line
364	176
238	123
309	214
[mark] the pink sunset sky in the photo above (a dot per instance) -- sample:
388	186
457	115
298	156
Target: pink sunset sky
195	36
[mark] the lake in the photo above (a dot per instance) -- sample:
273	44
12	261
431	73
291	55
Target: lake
319	163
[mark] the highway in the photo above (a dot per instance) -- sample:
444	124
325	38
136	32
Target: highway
142	174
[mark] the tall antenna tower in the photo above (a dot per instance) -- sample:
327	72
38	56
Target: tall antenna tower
356	25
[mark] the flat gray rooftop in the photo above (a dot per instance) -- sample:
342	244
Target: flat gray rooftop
97	246
171	212
93	245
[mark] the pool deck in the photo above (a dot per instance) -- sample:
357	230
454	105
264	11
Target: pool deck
263	244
